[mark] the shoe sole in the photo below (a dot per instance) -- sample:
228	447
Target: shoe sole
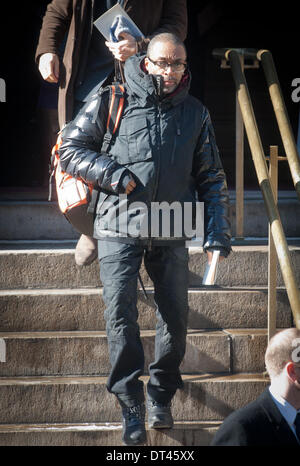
133	444
140	442
158	425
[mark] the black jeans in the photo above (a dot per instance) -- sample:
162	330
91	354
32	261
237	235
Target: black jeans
168	269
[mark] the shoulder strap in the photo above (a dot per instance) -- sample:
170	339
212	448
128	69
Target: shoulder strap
115	109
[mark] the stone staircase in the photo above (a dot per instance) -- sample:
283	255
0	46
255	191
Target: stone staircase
52	383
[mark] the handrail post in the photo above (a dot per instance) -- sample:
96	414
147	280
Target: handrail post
284	125
282	249
272	259
239	139
239	167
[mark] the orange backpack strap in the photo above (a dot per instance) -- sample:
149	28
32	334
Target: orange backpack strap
115	110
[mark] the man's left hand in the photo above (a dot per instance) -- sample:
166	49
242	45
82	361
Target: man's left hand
124	48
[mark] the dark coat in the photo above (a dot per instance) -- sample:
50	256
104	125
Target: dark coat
74	17
259	423
167	145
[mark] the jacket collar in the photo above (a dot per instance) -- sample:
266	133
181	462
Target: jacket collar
279	424
146	86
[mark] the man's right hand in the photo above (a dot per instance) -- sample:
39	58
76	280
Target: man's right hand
130	187
49	67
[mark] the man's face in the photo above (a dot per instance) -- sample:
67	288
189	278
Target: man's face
167	60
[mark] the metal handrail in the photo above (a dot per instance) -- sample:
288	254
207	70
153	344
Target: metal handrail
265	57
273	160
281	113
239	143
258	156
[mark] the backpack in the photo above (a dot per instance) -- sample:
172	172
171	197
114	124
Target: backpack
76	199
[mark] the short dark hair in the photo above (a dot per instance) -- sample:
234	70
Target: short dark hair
165	37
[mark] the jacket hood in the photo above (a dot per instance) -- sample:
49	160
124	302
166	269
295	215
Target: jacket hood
146	86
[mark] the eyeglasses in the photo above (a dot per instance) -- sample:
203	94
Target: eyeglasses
176	66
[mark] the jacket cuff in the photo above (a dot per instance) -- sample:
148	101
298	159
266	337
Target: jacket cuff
125	178
119	180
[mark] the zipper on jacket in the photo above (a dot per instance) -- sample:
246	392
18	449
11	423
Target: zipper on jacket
178	133
158	165
159	152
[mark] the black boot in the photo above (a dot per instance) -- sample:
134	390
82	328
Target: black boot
134	432
159	415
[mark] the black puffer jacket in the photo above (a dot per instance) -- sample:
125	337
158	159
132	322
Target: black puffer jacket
166	144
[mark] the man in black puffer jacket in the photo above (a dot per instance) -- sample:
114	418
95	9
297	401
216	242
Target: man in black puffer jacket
164	152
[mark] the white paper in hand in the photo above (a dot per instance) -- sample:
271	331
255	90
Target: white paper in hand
105	21
210	274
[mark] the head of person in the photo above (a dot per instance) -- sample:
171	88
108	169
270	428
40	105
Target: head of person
282	358
166	56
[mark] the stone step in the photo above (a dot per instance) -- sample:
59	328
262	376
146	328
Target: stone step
55	268
25	216
83	309
31	400
31	220
105	434
86	353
